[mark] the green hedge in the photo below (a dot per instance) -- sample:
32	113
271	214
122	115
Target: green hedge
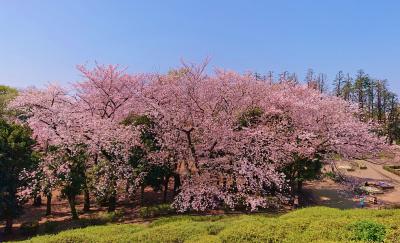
317	224
155	211
392	168
29	228
370	231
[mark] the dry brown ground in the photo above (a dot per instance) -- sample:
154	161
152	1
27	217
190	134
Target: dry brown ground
341	195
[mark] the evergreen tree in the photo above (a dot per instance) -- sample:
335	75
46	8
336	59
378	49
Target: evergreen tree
338	83
16	156
347	88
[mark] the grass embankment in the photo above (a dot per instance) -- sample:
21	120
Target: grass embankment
317	224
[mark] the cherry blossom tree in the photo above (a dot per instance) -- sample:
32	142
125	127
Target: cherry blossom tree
86	117
232	140
235	134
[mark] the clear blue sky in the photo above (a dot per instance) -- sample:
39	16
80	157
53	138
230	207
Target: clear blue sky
43	40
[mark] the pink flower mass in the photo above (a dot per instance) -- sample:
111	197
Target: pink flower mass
231	133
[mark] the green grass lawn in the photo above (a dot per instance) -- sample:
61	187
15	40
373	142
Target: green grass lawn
317	224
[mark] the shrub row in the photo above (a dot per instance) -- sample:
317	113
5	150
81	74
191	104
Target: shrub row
155	211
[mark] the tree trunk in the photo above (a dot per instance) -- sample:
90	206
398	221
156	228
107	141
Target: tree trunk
234	184
177	184
299	186
112	203
165	189
224	183
8	226
127	191
86	198
37	201
71	201
192	148
48	204
142	194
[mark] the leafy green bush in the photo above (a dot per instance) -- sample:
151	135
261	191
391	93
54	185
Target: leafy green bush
392	168
50	227
153	211
214	229
250	117
331	175
367	230
102	218
111	216
147	212
70	238
29	228
164	209
205	239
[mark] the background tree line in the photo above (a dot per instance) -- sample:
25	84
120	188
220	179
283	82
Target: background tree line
376	102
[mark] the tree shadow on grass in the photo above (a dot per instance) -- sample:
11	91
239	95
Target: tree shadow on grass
54	227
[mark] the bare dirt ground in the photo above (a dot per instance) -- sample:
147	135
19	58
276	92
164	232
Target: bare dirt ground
326	192
375	172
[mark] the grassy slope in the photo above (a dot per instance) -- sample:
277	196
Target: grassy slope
318	224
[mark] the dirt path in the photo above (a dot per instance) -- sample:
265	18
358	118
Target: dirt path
328	193
375	172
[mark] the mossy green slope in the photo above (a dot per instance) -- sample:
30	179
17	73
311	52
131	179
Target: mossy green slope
317	224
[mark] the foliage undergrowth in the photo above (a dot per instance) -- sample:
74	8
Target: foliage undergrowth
155	211
317	224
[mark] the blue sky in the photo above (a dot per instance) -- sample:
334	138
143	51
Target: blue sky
42	41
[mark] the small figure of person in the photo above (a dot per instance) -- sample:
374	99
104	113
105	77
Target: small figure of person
362	201
375	200
296	202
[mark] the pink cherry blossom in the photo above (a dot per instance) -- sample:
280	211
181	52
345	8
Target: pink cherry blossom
231	134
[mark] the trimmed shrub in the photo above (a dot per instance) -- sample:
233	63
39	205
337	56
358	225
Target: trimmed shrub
367	230
111	216
29	228
205	239
154	211
50	227
70	238
215	228
392	168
